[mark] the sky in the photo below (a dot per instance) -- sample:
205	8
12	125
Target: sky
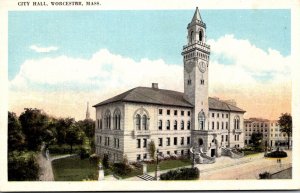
60	60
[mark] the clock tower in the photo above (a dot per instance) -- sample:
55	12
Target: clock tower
196	64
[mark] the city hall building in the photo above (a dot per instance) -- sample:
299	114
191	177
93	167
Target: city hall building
174	121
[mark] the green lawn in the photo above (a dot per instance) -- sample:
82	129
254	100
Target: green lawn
169	164
74	169
163	165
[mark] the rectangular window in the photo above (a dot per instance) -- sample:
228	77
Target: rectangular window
138	157
160	142
182	113
100	142
189	113
145	142
182	152
226	125
145	156
175	112
213	114
226	138
188	125
222	124
175	152
222	115
168	152
107	141
138	143
115	142
160	111
218	115
222	138
226	115
175	140
213	125
188	140
168	112
160	124
182	141
218	125
168	141
168	125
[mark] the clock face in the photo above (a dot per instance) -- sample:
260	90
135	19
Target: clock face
202	66
189	66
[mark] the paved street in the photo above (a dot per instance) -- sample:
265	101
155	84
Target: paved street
245	168
248	167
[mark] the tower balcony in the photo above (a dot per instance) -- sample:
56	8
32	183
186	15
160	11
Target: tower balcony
196	45
141	132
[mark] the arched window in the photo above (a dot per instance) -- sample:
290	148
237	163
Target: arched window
144	122
117	119
138	121
175	125
107	119
201	119
200	36
191	37
200	141
236	122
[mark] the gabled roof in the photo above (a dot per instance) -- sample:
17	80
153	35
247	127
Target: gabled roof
164	97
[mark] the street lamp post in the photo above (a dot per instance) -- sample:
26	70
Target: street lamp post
157	166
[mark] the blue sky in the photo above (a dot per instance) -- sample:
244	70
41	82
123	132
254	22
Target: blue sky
137	34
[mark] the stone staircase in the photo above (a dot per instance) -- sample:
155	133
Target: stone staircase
233	153
146	177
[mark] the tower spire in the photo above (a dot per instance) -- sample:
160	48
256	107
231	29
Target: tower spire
197	16
87	115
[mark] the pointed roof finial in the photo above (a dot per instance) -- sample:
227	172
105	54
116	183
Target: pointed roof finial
197	15
87	115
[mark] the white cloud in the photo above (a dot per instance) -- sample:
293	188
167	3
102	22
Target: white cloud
43	49
64	84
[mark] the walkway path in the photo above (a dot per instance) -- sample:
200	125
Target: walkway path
46	172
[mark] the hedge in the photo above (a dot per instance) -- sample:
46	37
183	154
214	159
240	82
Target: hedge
181	174
121	169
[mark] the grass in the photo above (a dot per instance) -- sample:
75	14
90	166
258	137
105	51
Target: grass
169	164
163	165
74	169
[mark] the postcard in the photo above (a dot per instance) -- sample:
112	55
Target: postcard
149	95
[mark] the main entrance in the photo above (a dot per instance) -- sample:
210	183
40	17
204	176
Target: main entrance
213	153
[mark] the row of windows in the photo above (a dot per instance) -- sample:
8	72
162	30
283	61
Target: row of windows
144	142
236	137
175	125
218	125
108	119
259	124
107	141
218	115
254	130
175	112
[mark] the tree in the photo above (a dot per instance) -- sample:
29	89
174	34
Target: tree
285	123
256	139
62	126
15	136
35	127
88	126
152	149
74	135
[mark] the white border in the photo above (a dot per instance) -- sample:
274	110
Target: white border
294	5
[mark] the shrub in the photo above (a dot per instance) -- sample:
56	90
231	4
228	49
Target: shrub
277	154
94	158
181	174
84	153
121	168
22	167
265	175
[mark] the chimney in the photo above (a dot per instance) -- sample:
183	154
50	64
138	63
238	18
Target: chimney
155	85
